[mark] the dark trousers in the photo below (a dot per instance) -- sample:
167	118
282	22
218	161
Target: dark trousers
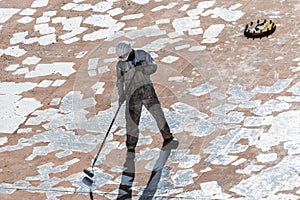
146	96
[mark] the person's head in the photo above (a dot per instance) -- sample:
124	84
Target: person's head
123	50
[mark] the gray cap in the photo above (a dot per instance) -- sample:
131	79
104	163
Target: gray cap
123	50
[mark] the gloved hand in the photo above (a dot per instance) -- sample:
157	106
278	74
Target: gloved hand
139	68
138	63
122	98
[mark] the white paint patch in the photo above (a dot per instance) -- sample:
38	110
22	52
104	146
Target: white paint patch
184	7
15	88
184	177
18	37
63	68
282	177
58	83
292	147
72	40
82	7
45	83
20	71
39	3
196	31
103	33
28	11
149	32
7	13
180	79
69	24
239	161
50	13
273	105
132	16
102	6
43	19
100	20
207	169
3	140
249	169
93	63
285	127
15	110
295	89
235	6
212	32
175	34
55	101
14	51
69	6
47	39
169	59
253	121
31	40
206	4
25	20
163	21
130	28
296	60
210	188
197	48
224	145
186	23
109	60
169	6
185	46
277	87
78	1
70	36
12	67
225	14
201	89
264	158
31	60
115	12
184	159
196	194
289	99
223	109
24	130
141	2
81	54
103	69
44	29
295	69
98	87
200	8
250	104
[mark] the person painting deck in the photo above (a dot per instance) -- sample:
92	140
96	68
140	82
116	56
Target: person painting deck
134	84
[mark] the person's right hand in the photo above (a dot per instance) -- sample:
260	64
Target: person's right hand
122	98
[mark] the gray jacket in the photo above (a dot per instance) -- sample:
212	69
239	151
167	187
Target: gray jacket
126	70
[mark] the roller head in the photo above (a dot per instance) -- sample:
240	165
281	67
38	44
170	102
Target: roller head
87	181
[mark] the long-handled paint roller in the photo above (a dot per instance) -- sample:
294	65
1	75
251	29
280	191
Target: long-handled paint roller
90	173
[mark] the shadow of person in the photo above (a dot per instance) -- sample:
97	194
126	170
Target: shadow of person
125	189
